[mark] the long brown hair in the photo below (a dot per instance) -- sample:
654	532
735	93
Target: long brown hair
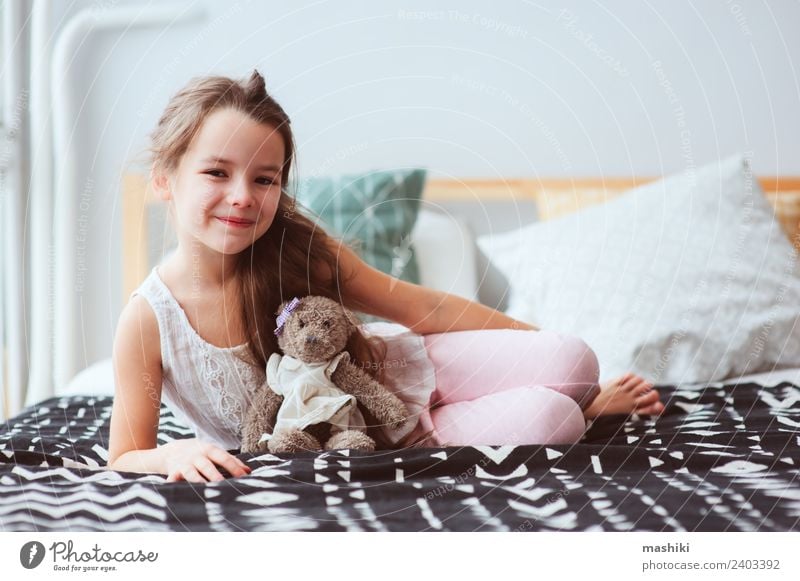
295	257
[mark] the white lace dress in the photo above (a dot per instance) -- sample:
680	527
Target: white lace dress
209	388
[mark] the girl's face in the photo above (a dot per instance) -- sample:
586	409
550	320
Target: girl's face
226	189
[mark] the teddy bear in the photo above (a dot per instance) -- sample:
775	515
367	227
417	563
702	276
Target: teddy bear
314	393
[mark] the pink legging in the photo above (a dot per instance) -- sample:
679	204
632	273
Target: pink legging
506	386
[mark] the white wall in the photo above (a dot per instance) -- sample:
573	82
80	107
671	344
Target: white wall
463	88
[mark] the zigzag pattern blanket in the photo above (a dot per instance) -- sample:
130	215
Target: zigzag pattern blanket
721	458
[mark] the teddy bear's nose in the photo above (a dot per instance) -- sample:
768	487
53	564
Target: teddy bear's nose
311	339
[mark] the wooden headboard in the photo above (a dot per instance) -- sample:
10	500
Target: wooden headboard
553	198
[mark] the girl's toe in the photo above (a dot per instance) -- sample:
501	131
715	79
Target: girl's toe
654	409
622	379
633	382
646	399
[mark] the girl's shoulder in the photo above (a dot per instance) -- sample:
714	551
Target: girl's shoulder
138	324
139	318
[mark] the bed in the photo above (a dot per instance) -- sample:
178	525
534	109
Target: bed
723	456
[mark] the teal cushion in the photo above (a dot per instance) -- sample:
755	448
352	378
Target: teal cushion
375	212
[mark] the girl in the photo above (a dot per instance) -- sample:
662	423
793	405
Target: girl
198	331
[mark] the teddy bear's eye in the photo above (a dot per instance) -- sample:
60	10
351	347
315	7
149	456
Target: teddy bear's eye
302	323
327	323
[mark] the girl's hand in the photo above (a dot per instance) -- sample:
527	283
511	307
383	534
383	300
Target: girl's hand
194	461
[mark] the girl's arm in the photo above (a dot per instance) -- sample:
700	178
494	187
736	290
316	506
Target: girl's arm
423	310
136	411
448	312
137	393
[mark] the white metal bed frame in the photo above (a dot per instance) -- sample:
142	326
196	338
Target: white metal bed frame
53	194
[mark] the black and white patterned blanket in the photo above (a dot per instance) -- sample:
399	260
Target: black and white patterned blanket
721	458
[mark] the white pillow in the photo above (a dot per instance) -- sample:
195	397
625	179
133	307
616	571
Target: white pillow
687	279
446	253
97	379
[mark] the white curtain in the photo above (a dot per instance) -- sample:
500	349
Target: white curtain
14	179
27	198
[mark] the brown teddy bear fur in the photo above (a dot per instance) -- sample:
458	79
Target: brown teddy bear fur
315	332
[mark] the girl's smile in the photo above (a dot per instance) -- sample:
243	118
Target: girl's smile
236	223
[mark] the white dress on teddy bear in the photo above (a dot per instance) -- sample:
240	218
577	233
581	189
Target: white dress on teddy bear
310	396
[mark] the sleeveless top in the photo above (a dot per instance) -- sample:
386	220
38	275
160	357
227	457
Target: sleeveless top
209	388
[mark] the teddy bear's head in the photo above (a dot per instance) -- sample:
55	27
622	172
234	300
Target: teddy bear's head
314	328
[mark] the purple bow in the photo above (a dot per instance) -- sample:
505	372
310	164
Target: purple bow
287	310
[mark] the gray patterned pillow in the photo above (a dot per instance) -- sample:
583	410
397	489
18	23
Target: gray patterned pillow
682	280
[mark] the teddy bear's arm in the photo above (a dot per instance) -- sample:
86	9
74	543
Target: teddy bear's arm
385	406
260	419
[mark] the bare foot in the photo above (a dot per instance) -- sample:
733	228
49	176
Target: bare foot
626	394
